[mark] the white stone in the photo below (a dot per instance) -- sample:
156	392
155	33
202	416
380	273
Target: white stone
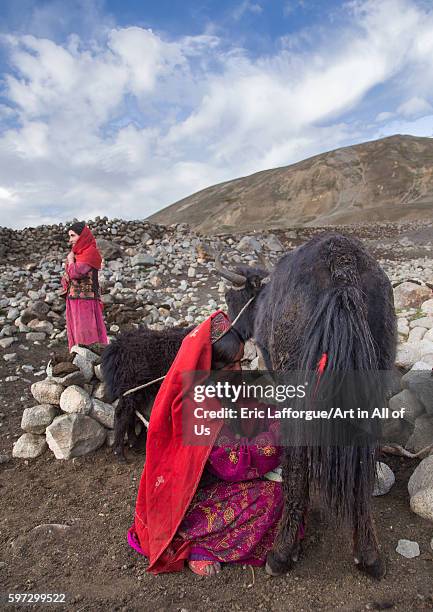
36	419
416	334
86	367
86	353
422	503
410	294
29	446
408	549
422	477
427	307
6	342
98	372
384	480
426	322
103	413
74	399
47	392
74	435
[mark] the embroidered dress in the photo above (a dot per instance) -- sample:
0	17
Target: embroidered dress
235	519
84	321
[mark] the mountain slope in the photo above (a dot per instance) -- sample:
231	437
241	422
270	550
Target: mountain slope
390	179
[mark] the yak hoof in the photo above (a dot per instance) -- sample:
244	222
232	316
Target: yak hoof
274	567
376	570
119	456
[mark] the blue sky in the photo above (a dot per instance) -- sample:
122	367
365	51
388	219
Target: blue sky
121	108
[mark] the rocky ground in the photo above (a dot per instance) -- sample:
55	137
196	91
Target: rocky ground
162	276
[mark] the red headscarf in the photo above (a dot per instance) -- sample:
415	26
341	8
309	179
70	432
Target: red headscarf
173	469
86	251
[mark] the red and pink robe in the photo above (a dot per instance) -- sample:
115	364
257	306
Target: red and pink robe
84	320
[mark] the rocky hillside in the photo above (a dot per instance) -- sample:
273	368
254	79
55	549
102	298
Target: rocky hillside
390	179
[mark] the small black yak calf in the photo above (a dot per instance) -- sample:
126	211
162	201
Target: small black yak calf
132	359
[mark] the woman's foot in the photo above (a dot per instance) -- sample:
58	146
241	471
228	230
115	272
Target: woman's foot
205	568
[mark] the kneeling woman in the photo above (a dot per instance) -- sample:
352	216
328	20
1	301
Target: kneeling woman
204	504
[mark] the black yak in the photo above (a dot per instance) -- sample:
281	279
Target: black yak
327	297
132	359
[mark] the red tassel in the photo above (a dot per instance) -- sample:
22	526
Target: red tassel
322	363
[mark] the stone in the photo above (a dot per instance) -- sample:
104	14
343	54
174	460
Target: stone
416	334
408	549
29	446
35	420
422	477
86	353
74	399
422	435
10	357
409	402
248	244
109	250
6	342
420	383
74	435
86	367
47	392
98	372
35	336
74	378
64	367
103	413
402	327
410	295
384	479
273	244
407	355
427	307
43	326
100	392
422	503
250	351
39	309
426	322
142	260
155	281
395	431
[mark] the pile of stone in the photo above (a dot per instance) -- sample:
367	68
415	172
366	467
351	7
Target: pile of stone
414	306
72	417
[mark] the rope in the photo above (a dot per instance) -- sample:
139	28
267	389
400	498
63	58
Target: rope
142	419
162	377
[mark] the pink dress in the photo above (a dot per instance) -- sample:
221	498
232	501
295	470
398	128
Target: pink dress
84	320
234	519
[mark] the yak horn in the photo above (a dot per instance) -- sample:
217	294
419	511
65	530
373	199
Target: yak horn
237	279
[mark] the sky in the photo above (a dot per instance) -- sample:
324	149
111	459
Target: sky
122	107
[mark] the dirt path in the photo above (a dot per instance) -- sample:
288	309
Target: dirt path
90	561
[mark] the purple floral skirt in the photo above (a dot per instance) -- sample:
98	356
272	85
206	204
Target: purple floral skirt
233	521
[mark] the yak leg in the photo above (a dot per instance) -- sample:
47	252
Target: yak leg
365	542
296	496
123	416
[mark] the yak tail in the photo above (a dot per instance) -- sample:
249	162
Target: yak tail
338	346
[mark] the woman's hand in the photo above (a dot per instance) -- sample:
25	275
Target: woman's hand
70	258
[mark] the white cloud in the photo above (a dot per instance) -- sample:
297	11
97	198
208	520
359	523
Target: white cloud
126	123
247	6
415	106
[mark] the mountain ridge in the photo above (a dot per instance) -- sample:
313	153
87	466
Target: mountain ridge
390	179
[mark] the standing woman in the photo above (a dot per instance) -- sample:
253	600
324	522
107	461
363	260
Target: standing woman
84	321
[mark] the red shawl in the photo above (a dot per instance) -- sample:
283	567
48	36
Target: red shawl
172	469
86	251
